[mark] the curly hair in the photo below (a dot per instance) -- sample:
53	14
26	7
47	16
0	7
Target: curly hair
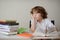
40	10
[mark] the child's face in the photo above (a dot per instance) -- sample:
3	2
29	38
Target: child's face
37	15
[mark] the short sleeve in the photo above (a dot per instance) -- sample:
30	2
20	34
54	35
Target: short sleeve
50	26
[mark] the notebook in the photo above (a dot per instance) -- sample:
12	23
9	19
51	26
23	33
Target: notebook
25	35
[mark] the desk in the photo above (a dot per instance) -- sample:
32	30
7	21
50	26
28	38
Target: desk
12	37
15	37
55	38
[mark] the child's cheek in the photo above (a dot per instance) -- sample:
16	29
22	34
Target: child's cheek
37	16
34	15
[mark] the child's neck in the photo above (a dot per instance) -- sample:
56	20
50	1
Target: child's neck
40	20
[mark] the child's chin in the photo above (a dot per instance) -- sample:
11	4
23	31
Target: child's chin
37	19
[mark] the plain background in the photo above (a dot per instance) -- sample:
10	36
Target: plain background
20	10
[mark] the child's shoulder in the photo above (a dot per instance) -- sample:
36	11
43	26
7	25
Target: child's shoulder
47	20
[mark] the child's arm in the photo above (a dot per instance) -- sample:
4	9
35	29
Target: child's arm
33	23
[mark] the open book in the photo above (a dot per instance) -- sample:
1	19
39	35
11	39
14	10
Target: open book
47	33
39	34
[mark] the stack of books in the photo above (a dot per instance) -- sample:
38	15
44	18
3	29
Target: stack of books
8	27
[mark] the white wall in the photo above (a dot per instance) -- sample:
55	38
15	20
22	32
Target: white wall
20	10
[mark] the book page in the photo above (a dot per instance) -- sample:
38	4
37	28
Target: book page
53	34
38	34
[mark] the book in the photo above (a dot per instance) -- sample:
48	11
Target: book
51	32
25	35
8	22
40	34
8	29
8	33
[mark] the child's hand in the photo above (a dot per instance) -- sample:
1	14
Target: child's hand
34	18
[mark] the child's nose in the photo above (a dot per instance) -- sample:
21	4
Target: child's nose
34	14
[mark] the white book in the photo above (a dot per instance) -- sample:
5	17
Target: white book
9	30
4	26
9	27
52	34
8	33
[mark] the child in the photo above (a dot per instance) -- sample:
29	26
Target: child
40	22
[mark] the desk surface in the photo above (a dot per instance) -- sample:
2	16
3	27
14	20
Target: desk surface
46	38
15	37
12	37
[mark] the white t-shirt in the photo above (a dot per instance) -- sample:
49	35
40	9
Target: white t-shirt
44	25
